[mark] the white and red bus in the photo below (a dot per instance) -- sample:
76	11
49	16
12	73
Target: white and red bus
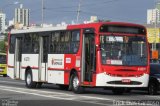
104	54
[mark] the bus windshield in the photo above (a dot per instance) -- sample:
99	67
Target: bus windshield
123	50
2	59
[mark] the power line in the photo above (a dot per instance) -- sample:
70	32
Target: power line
65	9
83	5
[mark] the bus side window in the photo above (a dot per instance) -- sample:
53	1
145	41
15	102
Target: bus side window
12	44
27	44
75	41
35	43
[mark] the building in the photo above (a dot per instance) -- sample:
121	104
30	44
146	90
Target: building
21	16
158	4
2	21
92	19
153	15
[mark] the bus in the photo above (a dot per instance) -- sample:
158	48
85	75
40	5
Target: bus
112	55
3	65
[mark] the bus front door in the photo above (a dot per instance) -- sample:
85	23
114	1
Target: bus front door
43	56
88	57
17	58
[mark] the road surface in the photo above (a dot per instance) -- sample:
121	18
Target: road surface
14	93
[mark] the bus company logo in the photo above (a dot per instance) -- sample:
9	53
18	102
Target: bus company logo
56	61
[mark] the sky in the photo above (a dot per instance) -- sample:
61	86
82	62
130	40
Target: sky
57	11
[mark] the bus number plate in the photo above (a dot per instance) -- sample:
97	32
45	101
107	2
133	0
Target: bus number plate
126	80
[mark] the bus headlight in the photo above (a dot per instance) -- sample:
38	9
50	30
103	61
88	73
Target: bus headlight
142	69
158	80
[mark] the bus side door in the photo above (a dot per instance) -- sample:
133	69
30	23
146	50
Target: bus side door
17	58
43	56
88	55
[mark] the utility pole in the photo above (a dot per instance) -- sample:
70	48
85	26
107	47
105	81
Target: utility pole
42	12
155	27
79	10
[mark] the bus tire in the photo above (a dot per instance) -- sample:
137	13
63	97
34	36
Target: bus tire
29	80
152	88
76	88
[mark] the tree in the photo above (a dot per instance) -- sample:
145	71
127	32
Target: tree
3	44
2	47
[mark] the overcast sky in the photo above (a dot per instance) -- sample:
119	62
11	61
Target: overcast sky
57	11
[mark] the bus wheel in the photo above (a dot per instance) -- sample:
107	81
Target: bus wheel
118	91
75	84
29	80
152	88
4	75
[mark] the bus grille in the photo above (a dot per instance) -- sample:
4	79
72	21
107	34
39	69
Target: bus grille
122	83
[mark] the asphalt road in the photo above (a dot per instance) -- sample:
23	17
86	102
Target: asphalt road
14	93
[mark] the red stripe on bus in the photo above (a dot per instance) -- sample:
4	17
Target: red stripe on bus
57	69
31	67
10	66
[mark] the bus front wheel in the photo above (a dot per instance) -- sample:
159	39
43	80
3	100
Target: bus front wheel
29	80
76	88
152	88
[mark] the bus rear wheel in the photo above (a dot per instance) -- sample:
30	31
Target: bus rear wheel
29	80
76	88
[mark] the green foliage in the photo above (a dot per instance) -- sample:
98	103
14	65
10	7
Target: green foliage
2	43
6	37
2	47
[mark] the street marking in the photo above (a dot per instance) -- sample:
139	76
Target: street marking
12	82
34	94
55	93
73	98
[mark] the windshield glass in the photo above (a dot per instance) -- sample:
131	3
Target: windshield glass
2	59
123	50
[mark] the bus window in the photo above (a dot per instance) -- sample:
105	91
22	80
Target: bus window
124	50
12	44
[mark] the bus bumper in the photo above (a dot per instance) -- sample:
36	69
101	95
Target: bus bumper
3	70
105	80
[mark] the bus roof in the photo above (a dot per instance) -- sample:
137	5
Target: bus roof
95	25
98	24
37	29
